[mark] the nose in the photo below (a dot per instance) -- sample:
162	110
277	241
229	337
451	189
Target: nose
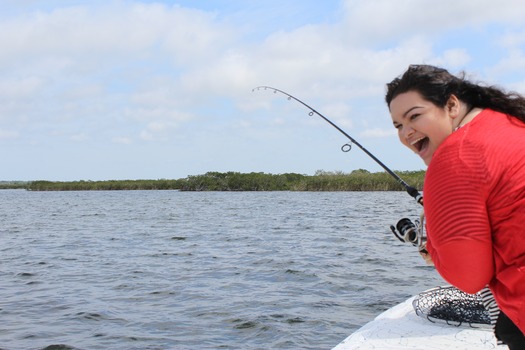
407	132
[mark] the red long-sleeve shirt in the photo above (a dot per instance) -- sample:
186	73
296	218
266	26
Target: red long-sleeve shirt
475	210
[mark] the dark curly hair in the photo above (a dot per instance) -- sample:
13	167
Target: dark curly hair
437	85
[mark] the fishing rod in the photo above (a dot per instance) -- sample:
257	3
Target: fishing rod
348	146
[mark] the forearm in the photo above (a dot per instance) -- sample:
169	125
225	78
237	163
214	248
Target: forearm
466	264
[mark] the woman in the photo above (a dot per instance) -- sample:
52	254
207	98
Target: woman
472	137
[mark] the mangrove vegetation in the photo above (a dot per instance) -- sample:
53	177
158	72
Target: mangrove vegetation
357	180
11	185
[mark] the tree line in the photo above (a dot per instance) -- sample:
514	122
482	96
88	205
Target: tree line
357	180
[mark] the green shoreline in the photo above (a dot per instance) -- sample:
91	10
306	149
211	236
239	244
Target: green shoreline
357	180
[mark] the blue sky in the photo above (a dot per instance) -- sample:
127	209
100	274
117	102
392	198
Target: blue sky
100	90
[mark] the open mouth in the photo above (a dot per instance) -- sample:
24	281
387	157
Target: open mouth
420	144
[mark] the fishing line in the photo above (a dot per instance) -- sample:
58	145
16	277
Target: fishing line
348	146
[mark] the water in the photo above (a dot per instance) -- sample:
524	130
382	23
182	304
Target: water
205	270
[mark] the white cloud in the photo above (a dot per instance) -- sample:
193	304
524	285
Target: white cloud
339	113
106	70
14	89
87	33
79	137
513	39
146	135
122	140
514	61
8	134
157	126
385	20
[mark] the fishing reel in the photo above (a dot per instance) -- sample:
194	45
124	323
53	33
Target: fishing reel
411	232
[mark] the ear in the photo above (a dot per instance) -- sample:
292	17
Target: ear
453	106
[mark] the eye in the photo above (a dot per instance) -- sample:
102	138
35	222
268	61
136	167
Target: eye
414	116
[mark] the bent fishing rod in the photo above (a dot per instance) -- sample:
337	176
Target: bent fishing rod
346	147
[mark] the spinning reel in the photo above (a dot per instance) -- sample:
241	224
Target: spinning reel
411	232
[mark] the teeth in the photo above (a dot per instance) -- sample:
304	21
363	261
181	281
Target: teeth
416	141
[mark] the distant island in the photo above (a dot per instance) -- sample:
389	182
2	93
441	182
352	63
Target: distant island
357	180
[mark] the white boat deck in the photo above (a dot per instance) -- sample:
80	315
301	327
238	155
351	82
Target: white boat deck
400	328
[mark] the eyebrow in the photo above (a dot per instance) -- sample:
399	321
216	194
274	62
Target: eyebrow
410	110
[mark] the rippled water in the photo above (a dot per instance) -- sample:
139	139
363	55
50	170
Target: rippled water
205	270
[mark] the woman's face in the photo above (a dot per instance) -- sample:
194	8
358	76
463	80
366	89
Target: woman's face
421	125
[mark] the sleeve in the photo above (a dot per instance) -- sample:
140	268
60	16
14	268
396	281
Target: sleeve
458	227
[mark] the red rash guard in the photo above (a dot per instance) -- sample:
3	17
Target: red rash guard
475	210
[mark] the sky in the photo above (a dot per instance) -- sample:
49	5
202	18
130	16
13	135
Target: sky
109	90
